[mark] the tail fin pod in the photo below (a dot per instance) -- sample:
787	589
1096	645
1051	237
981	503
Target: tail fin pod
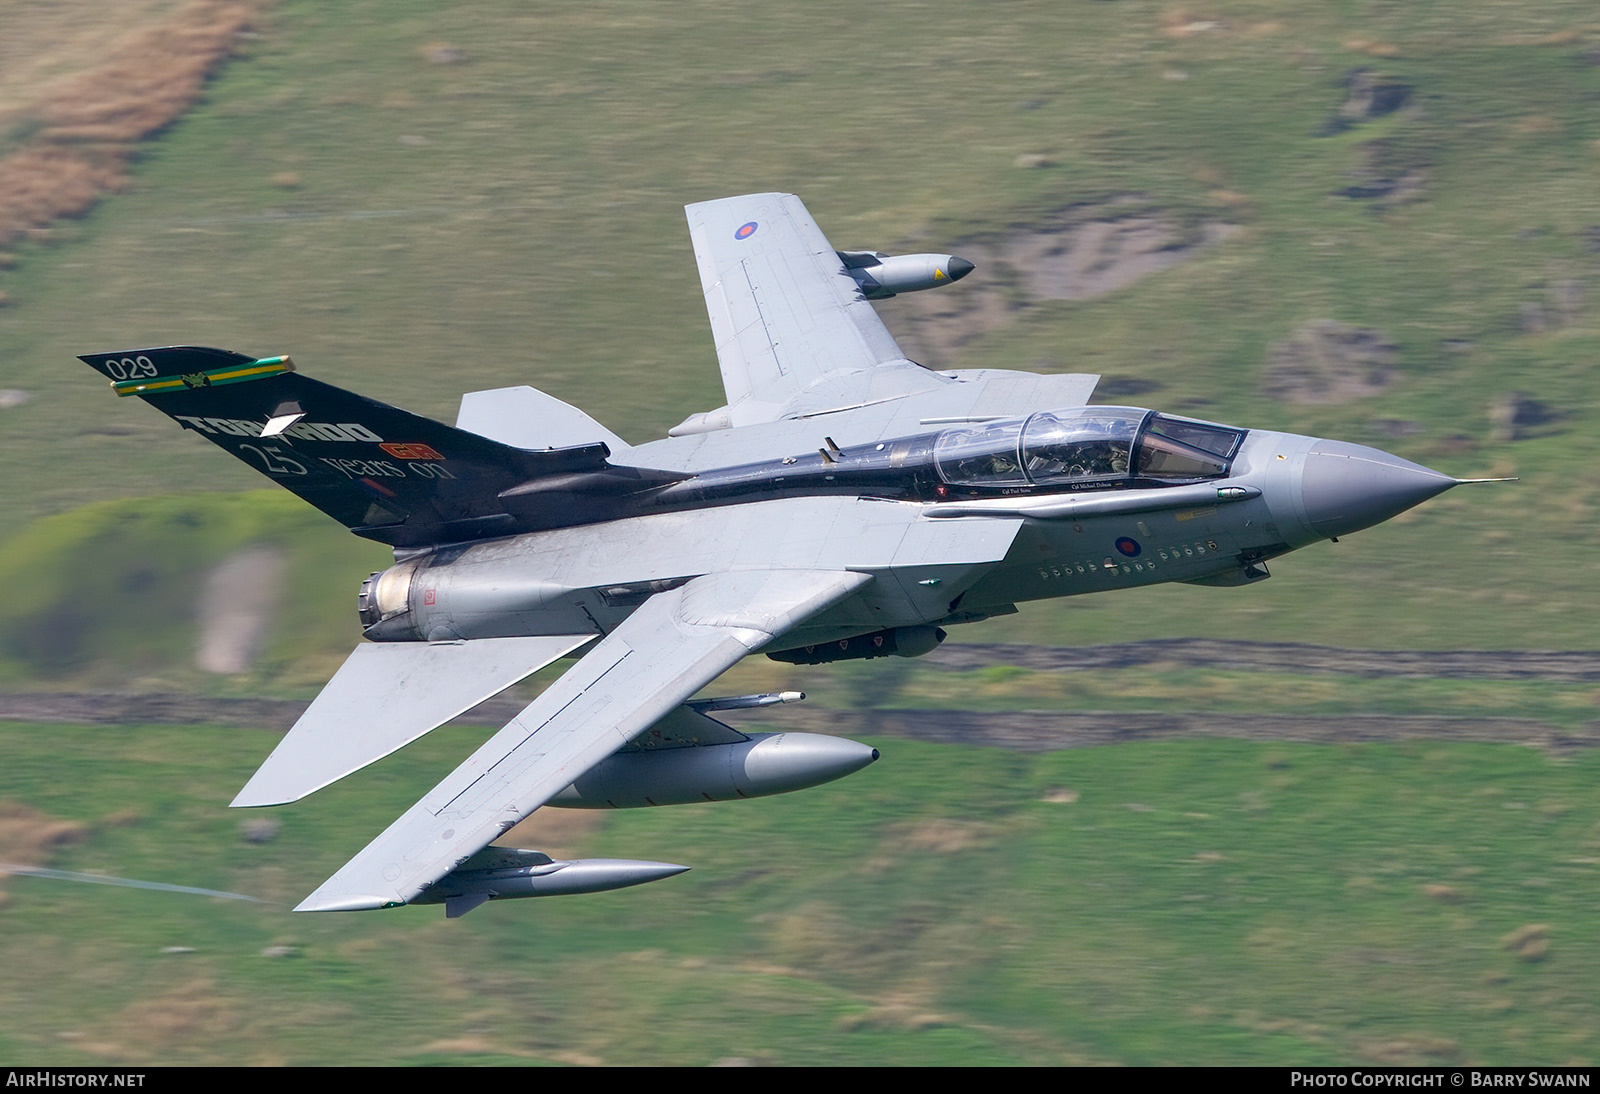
384	473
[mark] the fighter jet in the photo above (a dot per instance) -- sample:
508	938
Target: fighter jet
846	502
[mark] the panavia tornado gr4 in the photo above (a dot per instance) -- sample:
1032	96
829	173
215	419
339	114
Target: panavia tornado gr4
845	503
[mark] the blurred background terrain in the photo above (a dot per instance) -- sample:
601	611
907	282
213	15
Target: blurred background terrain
1369	220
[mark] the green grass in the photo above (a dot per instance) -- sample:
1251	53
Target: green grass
1199	902
531	233
1196	902
1193	690
112	593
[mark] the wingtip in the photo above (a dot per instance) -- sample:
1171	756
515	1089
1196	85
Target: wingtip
245	800
260	792
347	903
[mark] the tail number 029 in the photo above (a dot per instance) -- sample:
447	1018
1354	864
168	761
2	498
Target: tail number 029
130	368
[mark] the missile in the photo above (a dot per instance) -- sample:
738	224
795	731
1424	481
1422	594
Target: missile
509	873
882	276
745	702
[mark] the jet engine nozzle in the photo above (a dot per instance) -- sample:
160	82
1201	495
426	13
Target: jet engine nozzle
1346	487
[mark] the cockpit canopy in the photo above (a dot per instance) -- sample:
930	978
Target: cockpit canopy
1087	445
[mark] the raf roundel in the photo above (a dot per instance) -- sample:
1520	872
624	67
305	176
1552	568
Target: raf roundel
746	230
1129	547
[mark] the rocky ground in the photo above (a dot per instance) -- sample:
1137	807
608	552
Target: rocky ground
1027	730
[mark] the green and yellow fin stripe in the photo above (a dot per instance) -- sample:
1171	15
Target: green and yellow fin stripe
216	377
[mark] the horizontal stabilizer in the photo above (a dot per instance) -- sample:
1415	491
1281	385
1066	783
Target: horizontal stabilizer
385	696
526	417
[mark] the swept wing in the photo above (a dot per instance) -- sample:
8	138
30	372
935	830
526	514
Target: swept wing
670	647
785	314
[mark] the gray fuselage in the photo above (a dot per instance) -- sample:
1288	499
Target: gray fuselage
1056	504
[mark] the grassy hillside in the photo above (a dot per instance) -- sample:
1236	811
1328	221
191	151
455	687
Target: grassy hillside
1163	903
416	201
122	592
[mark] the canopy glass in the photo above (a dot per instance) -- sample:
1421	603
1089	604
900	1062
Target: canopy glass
1084	445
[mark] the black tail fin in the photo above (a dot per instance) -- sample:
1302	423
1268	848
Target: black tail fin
382	472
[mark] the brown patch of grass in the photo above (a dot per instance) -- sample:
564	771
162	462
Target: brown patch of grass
189	1015
814	936
27	836
893	1017
470	1046
1536	125
1444	894
1310	1031
939	836
1415	1048
45	43
88	124
152	79
943	837
1530	942
559	833
1272	940
46	182
1187	22
905	1008
443	53
1231	199
1372	47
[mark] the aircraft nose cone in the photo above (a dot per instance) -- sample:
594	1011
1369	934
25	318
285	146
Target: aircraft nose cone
1347	487
957	268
